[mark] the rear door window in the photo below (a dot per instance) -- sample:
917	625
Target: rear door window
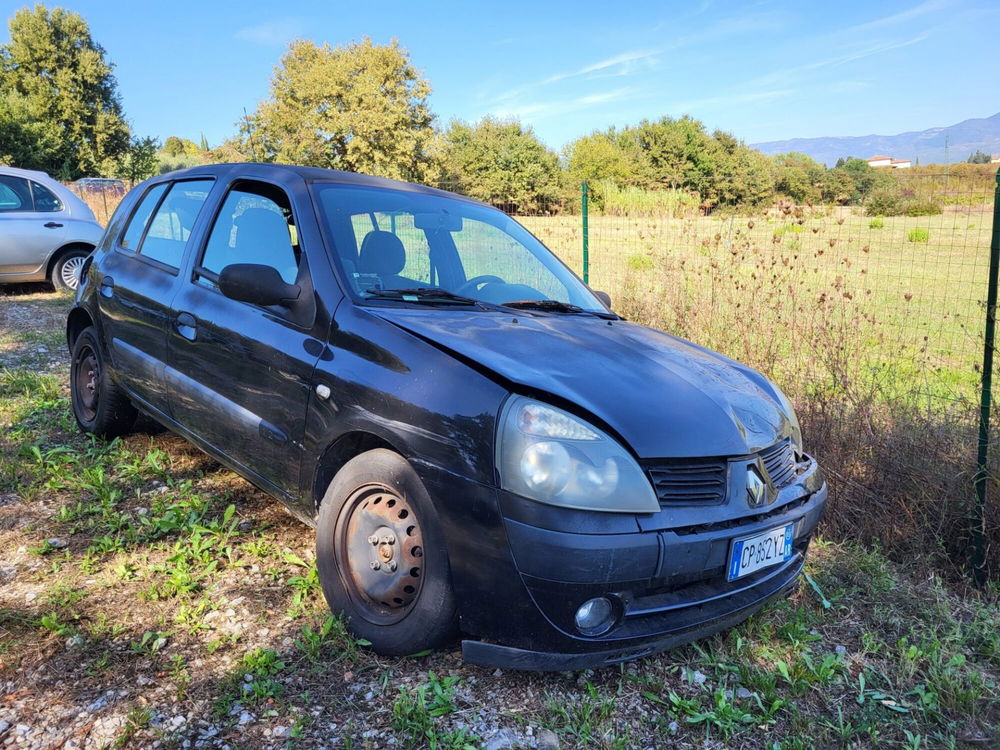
171	224
132	235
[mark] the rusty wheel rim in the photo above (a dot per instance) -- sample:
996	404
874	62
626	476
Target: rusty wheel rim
87	383
381	553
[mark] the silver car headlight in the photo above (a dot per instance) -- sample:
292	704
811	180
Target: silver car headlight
548	455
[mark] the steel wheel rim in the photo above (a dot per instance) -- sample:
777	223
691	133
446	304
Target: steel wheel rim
380	553
69	271
87	383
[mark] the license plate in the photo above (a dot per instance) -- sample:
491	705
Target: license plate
755	552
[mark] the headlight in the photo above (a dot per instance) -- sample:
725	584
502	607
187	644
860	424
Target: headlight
553	457
786	406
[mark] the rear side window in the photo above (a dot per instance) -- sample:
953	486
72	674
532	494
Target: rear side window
254	225
132	236
45	199
173	221
14	194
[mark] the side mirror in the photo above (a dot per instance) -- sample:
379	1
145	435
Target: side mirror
603	297
256	284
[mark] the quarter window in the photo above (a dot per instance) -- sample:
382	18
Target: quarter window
254	225
14	194
45	199
132	235
171	224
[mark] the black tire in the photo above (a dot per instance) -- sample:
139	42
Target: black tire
66	269
378	494
99	405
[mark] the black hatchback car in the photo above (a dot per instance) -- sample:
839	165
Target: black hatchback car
481	443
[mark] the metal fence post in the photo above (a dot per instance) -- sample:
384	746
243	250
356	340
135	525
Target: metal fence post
986	400
586	233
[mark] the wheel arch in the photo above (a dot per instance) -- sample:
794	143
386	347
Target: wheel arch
77	320
338	453
60	252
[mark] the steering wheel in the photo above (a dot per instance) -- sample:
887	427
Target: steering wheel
473	284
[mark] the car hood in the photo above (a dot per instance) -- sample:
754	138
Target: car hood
665	396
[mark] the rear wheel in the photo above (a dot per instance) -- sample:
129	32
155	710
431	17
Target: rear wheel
66	270
381	556
99	405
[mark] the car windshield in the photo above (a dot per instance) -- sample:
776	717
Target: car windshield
404	246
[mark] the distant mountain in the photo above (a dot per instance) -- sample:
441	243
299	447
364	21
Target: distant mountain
934	146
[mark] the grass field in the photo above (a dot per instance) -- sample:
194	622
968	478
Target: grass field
872	325
149	595
785	273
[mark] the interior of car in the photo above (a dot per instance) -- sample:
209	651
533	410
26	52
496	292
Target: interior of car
386	241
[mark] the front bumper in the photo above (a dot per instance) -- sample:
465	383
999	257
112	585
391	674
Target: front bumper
669	584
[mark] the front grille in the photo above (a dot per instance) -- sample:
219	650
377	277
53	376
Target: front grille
702	481
779	460
690	481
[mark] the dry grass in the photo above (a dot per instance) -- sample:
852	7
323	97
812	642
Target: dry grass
876	338
159	615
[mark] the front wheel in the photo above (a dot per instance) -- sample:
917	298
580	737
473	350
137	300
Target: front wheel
66	270
99	405
381	556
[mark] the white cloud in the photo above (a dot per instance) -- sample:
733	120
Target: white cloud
275	33
930	6
552	108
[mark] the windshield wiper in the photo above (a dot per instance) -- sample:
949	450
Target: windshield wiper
546	305
421	294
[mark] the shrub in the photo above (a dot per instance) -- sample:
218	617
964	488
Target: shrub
639	262
921	207
636	201
919	234
892	202
876	223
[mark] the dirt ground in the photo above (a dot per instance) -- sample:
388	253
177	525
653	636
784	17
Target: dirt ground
151	598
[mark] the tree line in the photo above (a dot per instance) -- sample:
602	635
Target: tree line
364	107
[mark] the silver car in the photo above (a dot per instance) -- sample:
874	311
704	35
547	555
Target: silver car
46	231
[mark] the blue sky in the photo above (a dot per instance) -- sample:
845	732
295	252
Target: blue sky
760	70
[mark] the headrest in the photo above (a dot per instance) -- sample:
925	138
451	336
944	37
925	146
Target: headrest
263	228
381	253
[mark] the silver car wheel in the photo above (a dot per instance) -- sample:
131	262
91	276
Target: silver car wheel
69	271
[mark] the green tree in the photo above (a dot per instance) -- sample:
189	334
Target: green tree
599	156
799	177
501	162
744	176
65	90
24	141
175	147
361	108
139	162
979	157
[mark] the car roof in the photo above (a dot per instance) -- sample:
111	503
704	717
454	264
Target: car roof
31	174
309	174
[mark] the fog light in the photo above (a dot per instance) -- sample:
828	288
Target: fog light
595	616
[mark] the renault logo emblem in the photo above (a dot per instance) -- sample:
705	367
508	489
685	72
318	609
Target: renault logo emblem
757	490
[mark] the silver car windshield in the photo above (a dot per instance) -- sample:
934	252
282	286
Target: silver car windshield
415	247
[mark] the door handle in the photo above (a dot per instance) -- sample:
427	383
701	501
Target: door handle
107	287
187	325
52	225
